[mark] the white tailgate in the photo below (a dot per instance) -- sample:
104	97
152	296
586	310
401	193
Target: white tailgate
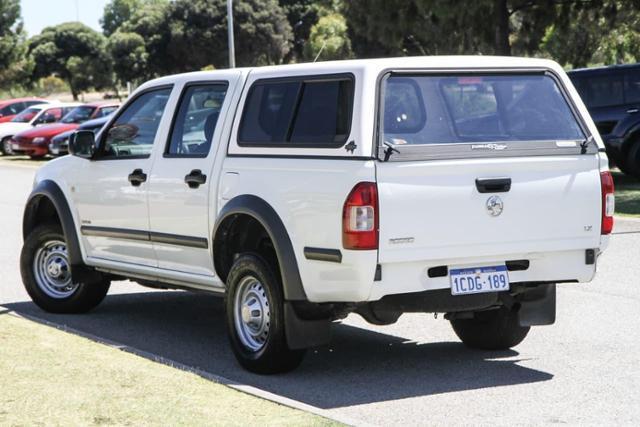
432	210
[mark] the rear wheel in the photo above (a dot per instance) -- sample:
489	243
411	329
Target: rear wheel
491	330
46	274
631	165
6	146
255	318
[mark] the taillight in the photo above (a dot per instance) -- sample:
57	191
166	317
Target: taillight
360	217
608	202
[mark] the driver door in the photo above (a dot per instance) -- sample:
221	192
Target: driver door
110	191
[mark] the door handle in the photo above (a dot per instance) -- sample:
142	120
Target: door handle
493	185
137	177
195	178
632	110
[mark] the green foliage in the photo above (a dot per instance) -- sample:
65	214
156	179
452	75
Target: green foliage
329	39
75	53
15	66
198	33
116	13
50	85
129	55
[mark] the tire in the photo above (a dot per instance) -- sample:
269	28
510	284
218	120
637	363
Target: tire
46	274
5	146
632	162
257	334
36	157
491	330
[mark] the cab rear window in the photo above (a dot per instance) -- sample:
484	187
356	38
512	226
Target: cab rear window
312	112
439	109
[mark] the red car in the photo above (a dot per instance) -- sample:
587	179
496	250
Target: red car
10	107
35	142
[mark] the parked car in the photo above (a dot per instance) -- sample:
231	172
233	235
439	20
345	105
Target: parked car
35	142
612	96
37	115
468	186
59	143
11	107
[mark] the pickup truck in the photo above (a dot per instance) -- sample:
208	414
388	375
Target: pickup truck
468	186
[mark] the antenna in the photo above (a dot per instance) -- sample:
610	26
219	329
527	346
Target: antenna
320	51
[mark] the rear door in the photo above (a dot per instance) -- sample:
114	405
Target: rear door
484	165
182	180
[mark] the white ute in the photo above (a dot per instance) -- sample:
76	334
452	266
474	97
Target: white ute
468	186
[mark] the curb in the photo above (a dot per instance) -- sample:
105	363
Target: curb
243	388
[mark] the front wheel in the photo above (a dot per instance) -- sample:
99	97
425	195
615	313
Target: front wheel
255	318
46	274
6	146
491	330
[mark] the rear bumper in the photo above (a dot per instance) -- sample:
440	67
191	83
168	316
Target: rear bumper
562	266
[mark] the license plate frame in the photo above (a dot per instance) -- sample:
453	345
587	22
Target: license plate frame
478	280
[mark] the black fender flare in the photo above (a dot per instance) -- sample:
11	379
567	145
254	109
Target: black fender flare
264	213
48	189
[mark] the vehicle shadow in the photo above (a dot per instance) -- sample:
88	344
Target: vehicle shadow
359	367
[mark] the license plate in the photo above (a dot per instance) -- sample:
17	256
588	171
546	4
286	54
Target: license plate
475	280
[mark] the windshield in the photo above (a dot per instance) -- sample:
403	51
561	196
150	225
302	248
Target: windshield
78	115
26	115
476	108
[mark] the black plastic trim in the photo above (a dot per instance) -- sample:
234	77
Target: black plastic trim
493	185
262	211
301	156
149	236
322	254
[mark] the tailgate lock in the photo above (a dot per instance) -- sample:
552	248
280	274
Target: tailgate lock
494	205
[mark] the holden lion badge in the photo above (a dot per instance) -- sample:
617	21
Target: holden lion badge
494	206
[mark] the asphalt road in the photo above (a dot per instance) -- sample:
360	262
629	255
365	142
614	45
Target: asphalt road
585	369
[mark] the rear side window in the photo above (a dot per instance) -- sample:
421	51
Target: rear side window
304	113
480	108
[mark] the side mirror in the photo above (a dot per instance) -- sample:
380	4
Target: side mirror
82	143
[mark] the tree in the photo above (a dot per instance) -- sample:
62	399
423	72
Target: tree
328	39
75	53
116	13
302	15
150	22
14	64
198	33
130	57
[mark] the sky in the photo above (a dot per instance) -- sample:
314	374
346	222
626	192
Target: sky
38	14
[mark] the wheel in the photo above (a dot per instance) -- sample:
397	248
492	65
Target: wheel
491	330
255	318
46	274
632	162
6	146
36	157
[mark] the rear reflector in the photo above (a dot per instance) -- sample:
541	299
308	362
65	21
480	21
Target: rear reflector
360	217
608	202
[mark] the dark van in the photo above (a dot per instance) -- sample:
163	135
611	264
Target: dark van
612	95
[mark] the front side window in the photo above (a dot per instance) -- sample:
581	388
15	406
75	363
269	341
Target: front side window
303	113
78	115
12	109
425	109
196	119
50	115
133	132
26	116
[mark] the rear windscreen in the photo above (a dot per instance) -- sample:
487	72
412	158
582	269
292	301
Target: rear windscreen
476	108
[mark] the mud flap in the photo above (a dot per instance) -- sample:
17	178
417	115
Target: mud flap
304	333
538	306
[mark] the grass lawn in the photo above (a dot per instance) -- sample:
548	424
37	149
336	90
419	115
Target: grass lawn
627	194
50	377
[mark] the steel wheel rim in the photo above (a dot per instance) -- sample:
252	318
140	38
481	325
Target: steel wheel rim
7	146
52	270
252	314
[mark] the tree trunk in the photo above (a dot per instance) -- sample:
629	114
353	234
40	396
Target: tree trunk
503	46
